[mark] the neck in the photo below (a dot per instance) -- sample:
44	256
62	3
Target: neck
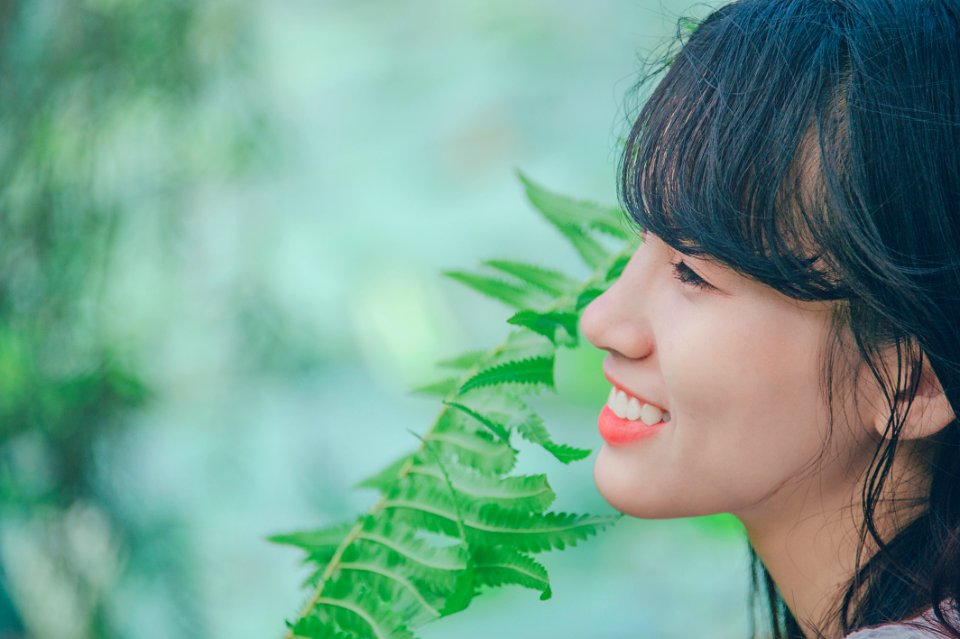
808	541
810	556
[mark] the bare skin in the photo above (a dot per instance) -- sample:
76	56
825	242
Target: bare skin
738	366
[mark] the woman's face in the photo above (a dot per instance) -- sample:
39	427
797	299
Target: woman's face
737	367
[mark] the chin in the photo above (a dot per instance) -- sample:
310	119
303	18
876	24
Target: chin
624	489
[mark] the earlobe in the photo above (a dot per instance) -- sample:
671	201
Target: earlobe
929	412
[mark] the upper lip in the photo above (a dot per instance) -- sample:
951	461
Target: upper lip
626	390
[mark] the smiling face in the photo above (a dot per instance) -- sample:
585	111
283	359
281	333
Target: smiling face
738	367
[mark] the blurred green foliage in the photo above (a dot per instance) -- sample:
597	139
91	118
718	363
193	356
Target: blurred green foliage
101	101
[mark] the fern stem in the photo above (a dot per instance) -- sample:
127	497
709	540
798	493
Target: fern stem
598	277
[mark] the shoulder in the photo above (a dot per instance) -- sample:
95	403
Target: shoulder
895	631
923	626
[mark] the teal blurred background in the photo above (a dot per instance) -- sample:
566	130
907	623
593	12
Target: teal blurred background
223	225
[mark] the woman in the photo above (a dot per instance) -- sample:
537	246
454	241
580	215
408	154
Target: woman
792	318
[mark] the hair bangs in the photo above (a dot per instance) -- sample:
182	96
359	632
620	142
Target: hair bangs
735	155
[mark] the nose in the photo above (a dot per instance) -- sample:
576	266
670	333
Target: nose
617	321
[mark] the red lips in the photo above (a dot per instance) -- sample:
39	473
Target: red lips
617	431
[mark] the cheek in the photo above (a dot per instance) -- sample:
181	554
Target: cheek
757	365
747	398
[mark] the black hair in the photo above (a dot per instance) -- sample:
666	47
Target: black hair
814	146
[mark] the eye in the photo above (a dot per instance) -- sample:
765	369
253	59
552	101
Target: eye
686	275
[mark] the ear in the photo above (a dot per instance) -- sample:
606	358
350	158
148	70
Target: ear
929	413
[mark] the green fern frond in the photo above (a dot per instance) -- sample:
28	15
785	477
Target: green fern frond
385	477
551	281
411	580
490	524
464	361
498	566
463	593
520	344
532	532
506	411
359	607
415	577
516	295
451	520
440	388
559	327
396	587
314	540
590	250
587	296
495	427
320	545
456	439
477	450
424	507
533	430
503	412
423	591
313	626
534	371
465	586
402	540
564	453
523	492
561	210
617	268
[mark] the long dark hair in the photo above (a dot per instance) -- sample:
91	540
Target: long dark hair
814	146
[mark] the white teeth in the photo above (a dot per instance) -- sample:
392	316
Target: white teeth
650	415
626	407
620	405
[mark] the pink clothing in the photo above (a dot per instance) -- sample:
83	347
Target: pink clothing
923	626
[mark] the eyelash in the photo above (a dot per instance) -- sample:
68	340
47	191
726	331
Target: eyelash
688	277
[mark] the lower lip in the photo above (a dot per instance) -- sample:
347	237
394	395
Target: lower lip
619	432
